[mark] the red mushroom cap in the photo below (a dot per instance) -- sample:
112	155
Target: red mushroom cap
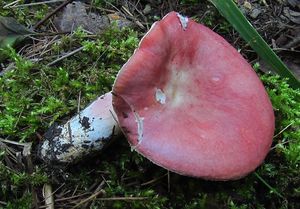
189	102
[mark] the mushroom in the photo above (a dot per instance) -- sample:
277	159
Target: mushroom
189	102
84	134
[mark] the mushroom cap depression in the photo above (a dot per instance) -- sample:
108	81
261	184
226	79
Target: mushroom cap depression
189	102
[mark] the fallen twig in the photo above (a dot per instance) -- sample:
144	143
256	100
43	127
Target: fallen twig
89	198
3	203
154	180
10	4
48	196
32	4
283	130
65	56
122	198
134	19
72	197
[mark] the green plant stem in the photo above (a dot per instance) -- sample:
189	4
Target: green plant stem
268	185
235	17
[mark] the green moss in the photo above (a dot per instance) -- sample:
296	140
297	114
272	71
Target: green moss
25	15
286	103
24	202
14	182
34	95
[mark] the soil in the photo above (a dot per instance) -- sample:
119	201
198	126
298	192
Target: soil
85	122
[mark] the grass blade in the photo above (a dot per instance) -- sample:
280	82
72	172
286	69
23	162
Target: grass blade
268	185
235	17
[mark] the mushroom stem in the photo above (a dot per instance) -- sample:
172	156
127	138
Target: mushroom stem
86	133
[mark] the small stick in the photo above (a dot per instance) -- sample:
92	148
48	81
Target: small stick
277	145
48	195
72	197
34	3
287	50
28	159
44	49
154	180
65	56
12	3
89	198
283	130
52	13
134	19
51	34
56	190
3	203
13	142
75	190
122	198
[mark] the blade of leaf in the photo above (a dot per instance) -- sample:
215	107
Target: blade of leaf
235	17
11	30
11	25
7	40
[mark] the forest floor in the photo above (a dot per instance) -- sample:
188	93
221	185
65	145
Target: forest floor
74	57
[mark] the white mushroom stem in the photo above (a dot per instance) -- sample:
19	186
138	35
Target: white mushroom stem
86	133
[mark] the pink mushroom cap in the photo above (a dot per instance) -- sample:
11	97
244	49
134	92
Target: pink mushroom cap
189	102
